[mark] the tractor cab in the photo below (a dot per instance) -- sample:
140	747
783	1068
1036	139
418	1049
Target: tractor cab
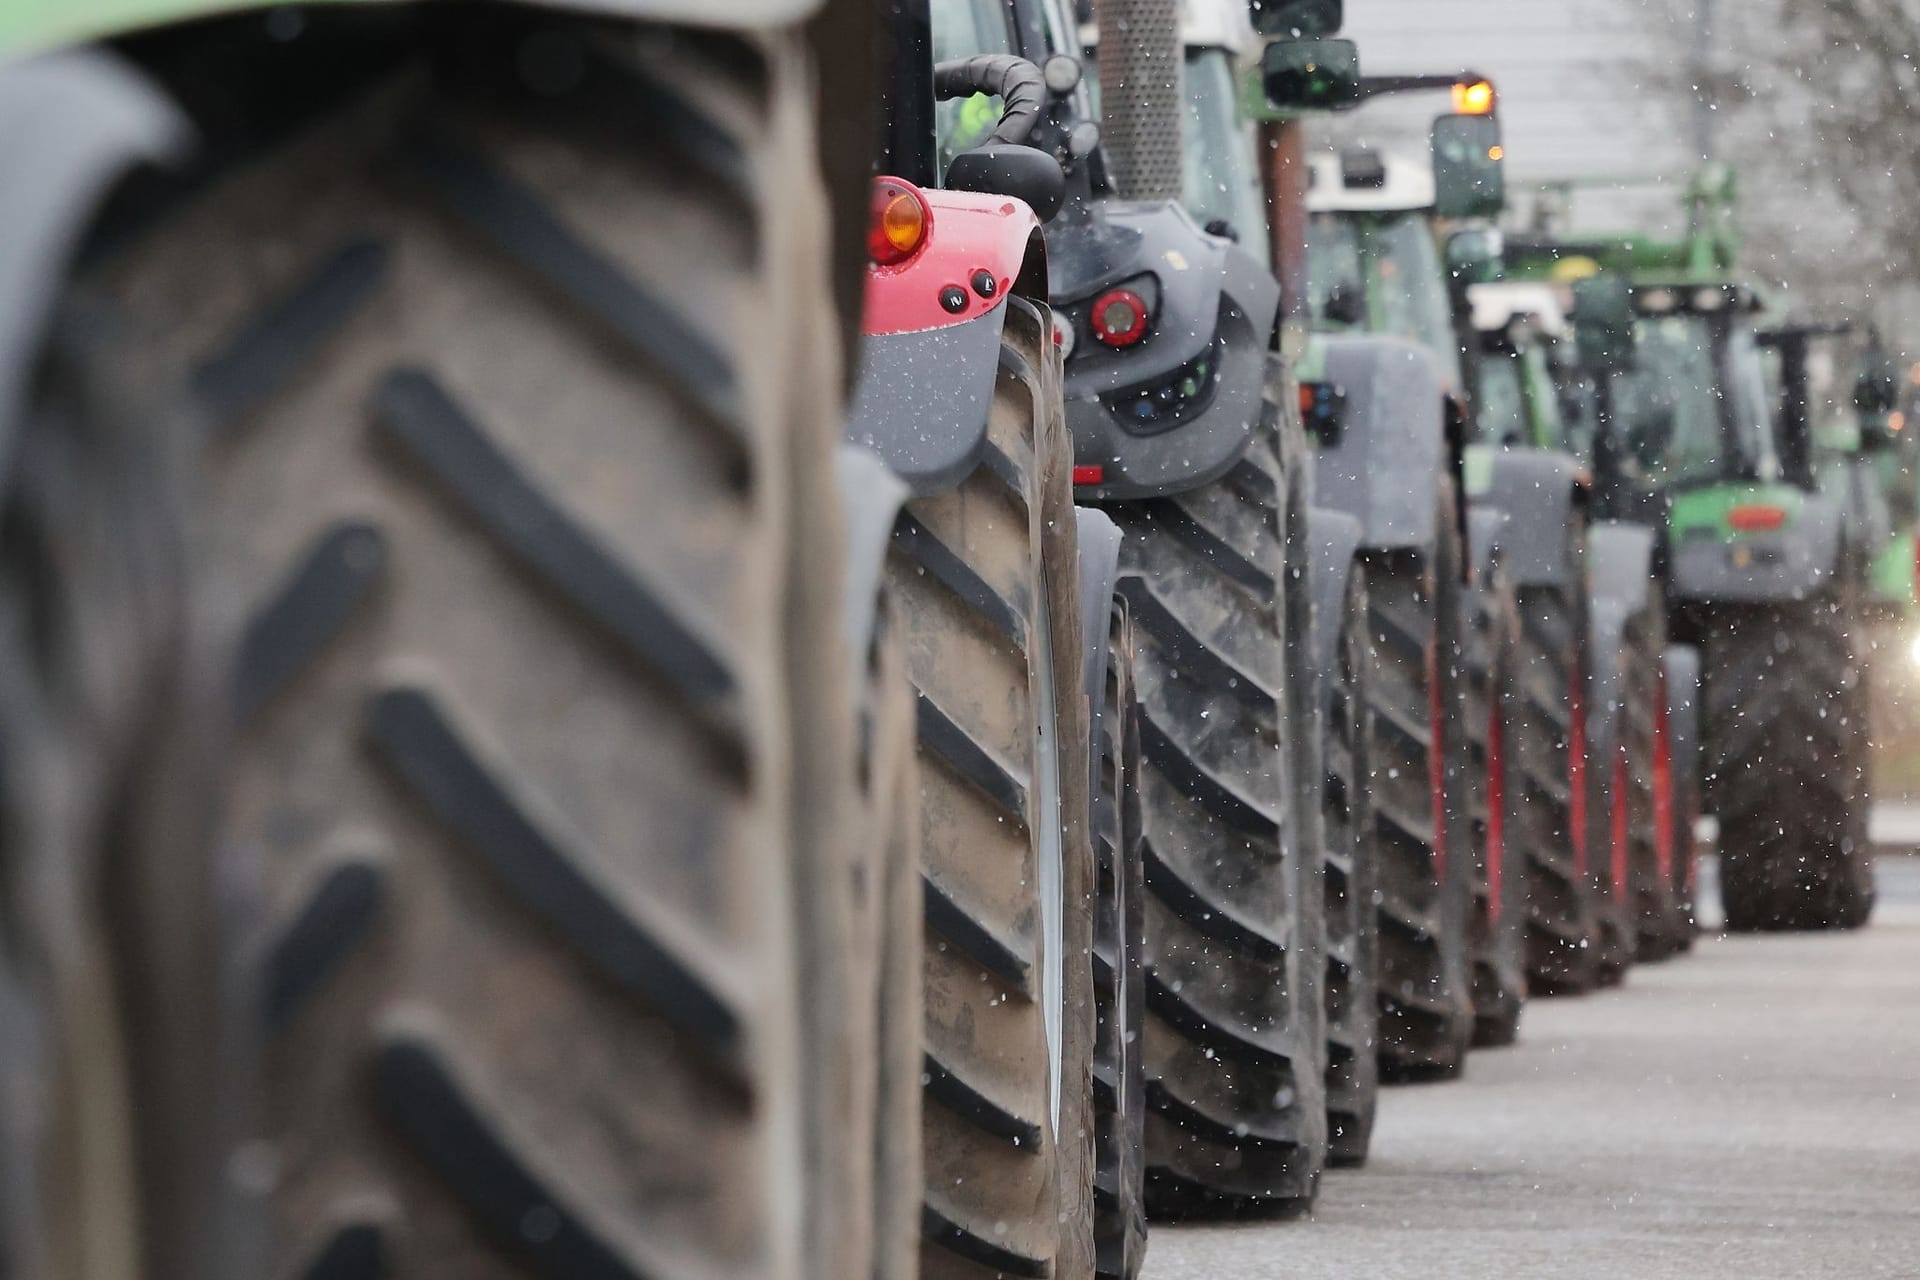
1518	329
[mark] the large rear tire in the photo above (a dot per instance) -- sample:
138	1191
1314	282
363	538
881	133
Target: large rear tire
1426	869
987	579
1353	928
520	432
1786	766
1662	923
1120	1086
1549	811
1235	1035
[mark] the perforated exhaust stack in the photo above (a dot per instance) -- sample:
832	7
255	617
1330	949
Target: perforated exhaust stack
1141	96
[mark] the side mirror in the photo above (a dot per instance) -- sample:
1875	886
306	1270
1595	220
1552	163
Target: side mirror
1310	18
1476	255
1311	75
1008	169
1603	324
1469	173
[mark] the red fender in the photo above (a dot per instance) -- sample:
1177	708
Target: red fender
978	248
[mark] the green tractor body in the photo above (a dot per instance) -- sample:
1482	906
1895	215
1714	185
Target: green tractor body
1702	435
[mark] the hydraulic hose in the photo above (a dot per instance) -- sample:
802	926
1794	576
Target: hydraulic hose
1015	81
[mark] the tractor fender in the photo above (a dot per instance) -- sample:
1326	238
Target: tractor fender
870	500
1211	328
1390	444
1099	574
71	126
926	370
1540	490
1335	539
1489	541
1790	564
1622	563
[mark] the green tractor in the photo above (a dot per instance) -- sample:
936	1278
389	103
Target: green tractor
1764	571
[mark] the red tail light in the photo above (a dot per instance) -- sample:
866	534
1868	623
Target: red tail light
1095	474
1119	318
1756	519
898	221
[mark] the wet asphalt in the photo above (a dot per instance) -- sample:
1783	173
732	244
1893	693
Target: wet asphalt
1749	1110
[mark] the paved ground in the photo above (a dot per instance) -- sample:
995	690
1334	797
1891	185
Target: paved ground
1751	1110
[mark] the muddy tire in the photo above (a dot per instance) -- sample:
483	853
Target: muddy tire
1611	792
1549	777
1681	731
1500	879
1353	928
987	580
1785	749
1235	1037
1426	869
1120	1086
524	562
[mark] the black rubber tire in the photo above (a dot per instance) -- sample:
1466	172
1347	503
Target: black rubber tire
987	581
519	428
1785	752
1547	828
1351	843
1683	703
124	1029
1500	878
1426	867
1660	919
1235	1034
1120	1083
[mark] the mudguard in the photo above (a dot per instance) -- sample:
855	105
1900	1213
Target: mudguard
1791	564
870	498
1539	490
1489	541
1621	566
927	369
1211	327
1390	445
1335	539
71	126
1099	572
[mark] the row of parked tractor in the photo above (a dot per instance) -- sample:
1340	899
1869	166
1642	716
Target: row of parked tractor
859	641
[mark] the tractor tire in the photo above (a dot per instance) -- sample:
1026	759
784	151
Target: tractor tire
1661	921
1351	867
1426	869
987	578
1548	771
514	517
123	1024
1680	730
1610	812
1786	759
1235	1035
1500	884
1120	1085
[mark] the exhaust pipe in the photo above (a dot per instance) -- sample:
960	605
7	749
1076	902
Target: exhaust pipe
1141	96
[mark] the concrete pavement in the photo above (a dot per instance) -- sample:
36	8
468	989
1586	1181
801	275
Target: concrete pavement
1750	1110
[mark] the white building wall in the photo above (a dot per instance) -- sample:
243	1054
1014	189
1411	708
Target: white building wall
1591	90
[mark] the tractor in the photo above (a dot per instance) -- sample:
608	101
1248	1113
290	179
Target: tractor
1760	571
1181	435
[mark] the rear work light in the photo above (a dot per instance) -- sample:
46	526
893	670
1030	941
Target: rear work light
1119	318
1474	98
1756	519
898	221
